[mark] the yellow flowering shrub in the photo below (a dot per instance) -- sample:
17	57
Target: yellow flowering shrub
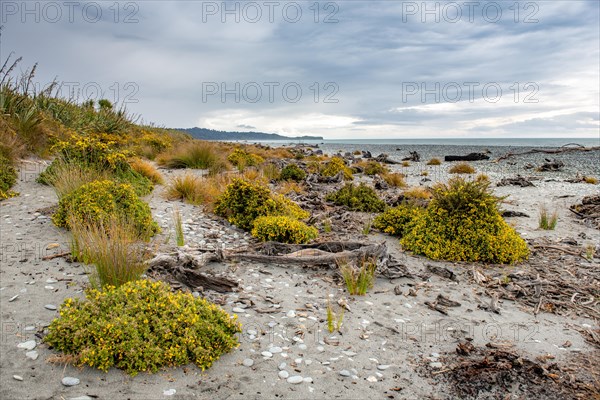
334	166
242	202
462	223
241	158
394	221
142	326
99	201
357	198
283	229
8	177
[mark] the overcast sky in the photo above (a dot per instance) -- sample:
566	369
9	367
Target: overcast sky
345	69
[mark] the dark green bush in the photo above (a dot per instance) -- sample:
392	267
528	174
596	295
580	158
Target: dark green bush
8	177
292	172
357	198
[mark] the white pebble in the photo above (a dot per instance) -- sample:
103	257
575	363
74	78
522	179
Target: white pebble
70	381
296	379
17	377
267	354
28	345
169	392
284	374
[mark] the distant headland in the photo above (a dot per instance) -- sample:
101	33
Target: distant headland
211	134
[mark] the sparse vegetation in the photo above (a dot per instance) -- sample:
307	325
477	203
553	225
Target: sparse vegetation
394	179
334	320
147	170
405	163
547	222
283	229
591	180
335	166
461	168
195	155
358	279
434	161
357	198
417	193
8	177
178	223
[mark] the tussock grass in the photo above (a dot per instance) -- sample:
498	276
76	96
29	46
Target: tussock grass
179	238
591	180
195	155
461	168
67	176
196	190
394	179
146	169
434	161
334	320
287	187
547	221
405	164
358	279
417	193
112	247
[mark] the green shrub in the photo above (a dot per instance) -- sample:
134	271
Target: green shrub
462	223
292	172
241	159
283	229
97	202
357	198
243	202
374	168
334	166
8	177
394	221
142	326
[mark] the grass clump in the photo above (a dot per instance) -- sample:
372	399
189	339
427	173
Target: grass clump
292	172
112	247
283	229
417	193
179	238
462	223
358	279
394	179
147	170
194	155
196	190
547	221
335	166
405	163
461	168
8	177
591	180
372	167
142	326
99	201
334	320
434	161
395	221
242	159
242	202
357	198
66	177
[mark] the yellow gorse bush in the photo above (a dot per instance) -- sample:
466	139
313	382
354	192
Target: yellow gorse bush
334	166
142	326
283	229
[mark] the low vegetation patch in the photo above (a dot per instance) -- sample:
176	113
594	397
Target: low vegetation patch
142	326
283	229
394	179
97	202
147	170
292	172
461	168
395	221
357	198
335	166
372	167
547	221
242	159
434	161
417	193
358	279
462	223
8	177
195	155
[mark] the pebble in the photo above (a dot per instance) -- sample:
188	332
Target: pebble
345	372
296	379
308	362
50	307
302	346
436	365
28	345
282	366
169	392
84	397
275	350
13	298
291	314
320	349
238	310
308	379
252	332
248	362
383	367
435	355
349	353
298	361
284	374
48	287
70	381
17	377
267	354
372	379
32	355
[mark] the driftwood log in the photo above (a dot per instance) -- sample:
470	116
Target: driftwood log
385	159
554	165
517	181
567	148
468	157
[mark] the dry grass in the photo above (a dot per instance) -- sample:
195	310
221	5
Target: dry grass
434	161
147	169
196	190
69	176
270	171
462	168
394	179
196	155
590	179
547	222
417	192
405	164
179	238
112	247
424	173
358	279
288	187
482	178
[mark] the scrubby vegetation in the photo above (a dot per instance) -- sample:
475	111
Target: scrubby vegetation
99	201
461	168
242	158
283	229
358	279
195	155
434	161
8	177
292	172
547	221
395	221
462	223
335	166
142	326
372	167
394	179
357	198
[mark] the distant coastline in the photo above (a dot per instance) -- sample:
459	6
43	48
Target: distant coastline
211	134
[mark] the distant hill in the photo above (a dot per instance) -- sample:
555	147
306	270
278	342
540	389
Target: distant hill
210	134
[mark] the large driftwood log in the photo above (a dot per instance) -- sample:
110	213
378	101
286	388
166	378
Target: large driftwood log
567	148
468	157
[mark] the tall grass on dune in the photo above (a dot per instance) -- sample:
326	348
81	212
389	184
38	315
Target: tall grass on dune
67	176
196	155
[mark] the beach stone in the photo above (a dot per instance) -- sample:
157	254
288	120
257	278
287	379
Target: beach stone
435	355
248	362
267	354
372	379
17	377
436	365
28	345
302	346
70	381
84	397
238	310
252	332
349	353
383	367
32	355
294	380
50	307
284	374
320	349
354	371
345	372
308	362
169	392
275	350
291	314
308	379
